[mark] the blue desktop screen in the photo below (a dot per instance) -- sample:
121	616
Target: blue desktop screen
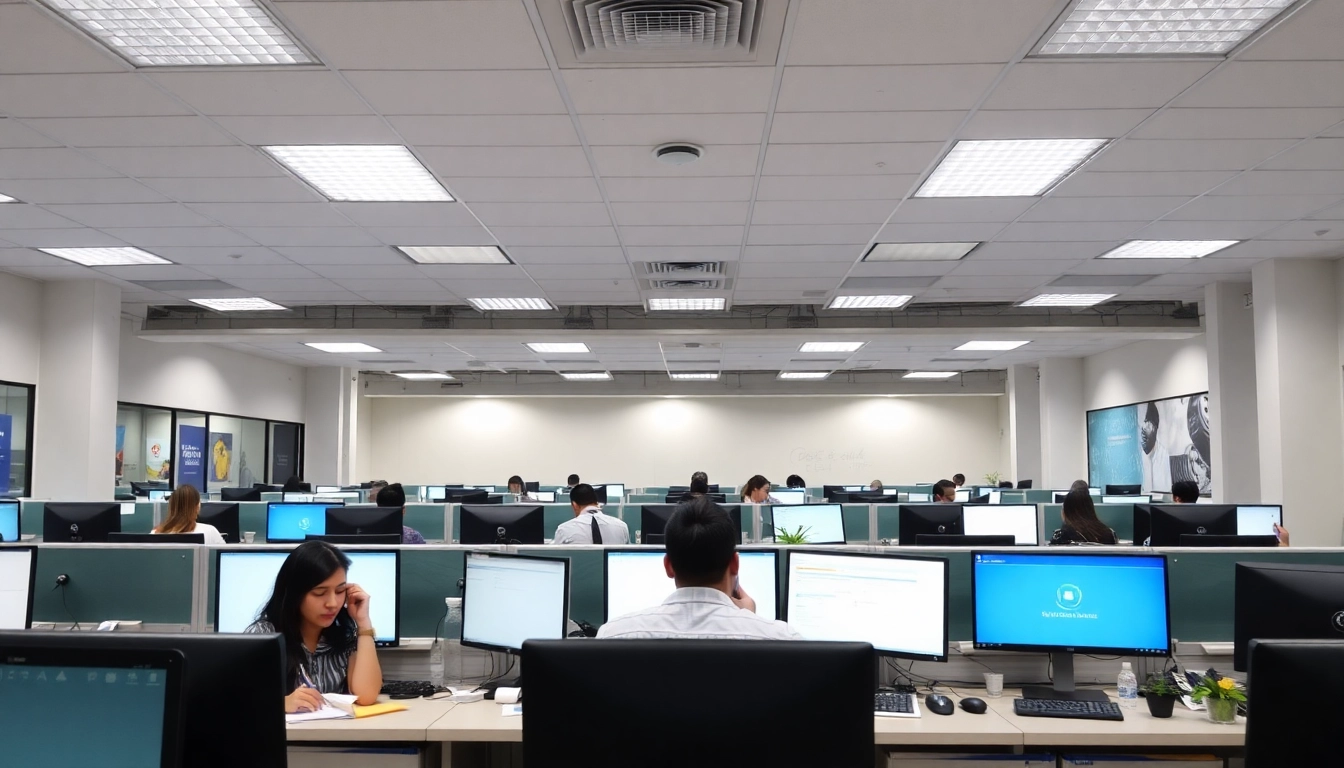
9	521
293	522
1071	602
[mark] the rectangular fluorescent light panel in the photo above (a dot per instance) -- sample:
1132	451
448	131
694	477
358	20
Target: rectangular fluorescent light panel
929	375
421	375
342	347
238	305
831	346
7	199
587	376
362	172
1106	27
559	347
803	375
1007	168
991	346
694	376
918	251
685	305
869	302
511	305
1068	299
106	257
1167	249
184	33
454	254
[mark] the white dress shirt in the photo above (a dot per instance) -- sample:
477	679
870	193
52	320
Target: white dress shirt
697	613
580	529
212	534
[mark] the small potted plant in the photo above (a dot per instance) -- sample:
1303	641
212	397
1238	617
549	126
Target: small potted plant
993	478
785	536
1220	694
1161	693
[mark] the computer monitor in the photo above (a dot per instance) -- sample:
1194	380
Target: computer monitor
1258	519
465	496
818	714
432	493
959	540
18	572
364	521
1168	521
1142	498
915	519
653	519
158	494
269	488
1290	719
245	579
79	521
1285	601
1111	604
962	494
502	524
296	497
926	498
143	488
11	528
155	538
600	491
1214	540
326	489
1016	520
864	497
486	488
545	497
1122	490
819	523
1023	485
223	515
784	496
240	494
509	599
291	522
615	492
636	579
898	604
1059	496
133	697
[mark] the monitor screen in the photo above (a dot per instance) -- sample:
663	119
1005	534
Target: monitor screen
899	604
436	493
963	494
890	491
9	521
917	498
637	580
296	497
326	488
855	488
17	568
1016	520
486	488
1126	499
246	578
1258	519
128	507
1086	603
796	496
159	495
508	599
820	523
995	497
615	492
287	521
342	497
545	497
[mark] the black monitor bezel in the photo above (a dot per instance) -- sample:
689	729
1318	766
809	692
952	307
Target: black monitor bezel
32	577
462	511
564	622
1269	571
318	504
109	509
645	530
124	537
1157	512
232	533
385	514
253	494
606	572
908	508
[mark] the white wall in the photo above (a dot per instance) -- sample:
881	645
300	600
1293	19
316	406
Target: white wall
1063	422
1145	370
20	328
660	441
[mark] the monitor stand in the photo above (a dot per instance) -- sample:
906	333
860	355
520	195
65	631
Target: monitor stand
1063	689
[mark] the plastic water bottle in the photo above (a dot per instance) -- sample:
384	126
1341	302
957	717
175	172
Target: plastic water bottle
445	655
1128	686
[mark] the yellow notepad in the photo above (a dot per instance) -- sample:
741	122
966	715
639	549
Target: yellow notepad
379	709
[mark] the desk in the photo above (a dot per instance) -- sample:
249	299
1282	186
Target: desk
1139	729
408	726
991	729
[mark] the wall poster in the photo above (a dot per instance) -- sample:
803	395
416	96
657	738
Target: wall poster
1152	444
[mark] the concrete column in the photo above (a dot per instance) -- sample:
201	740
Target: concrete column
1063	423
1024	422
331	413
1233	411
1298	388
74	445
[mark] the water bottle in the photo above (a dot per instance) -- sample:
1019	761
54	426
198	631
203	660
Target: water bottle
1129	687
445	655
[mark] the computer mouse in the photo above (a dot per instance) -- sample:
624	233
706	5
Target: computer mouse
940	705
974	706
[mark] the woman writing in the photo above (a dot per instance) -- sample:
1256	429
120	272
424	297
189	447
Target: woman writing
1081	524
184	506
757	491
329	640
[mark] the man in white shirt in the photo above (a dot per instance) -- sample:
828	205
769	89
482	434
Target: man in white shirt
708	604
590	525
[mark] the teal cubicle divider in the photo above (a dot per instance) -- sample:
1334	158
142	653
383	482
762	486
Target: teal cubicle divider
1040	496
30	513
151	584
1120	518
427	519
1202	587
888	521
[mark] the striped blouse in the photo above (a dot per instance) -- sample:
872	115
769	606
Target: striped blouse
327	667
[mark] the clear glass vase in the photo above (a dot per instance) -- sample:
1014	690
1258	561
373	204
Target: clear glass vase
1221	710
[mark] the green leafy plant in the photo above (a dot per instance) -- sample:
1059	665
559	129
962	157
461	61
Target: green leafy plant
785	536
1214	686
992	478
1161	685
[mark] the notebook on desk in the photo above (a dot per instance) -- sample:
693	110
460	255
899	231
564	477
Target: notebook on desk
342	706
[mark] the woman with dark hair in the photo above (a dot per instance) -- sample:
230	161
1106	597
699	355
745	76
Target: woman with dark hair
794	481
518	488
757	491
184	506
329	639
1081	525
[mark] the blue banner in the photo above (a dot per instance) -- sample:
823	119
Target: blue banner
191	456
6	427
1113	451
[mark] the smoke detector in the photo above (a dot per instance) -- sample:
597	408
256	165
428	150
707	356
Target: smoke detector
678	154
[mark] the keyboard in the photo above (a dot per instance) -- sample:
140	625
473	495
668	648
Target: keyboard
1078	710
889	704
408	689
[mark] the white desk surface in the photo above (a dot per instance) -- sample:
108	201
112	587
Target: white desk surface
1139	729
931	729
410	725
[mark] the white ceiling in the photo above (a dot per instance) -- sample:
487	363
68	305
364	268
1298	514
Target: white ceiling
808	159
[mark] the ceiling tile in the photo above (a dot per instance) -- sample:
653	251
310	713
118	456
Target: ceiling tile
903	268
131	131
1094	85
698	214
1228	207
684	253
445	235
528	256
653	130
407	214
1284	183
860	89
519	190
910	232
345	254
972	266
1052	123
494	92
689	189
620	271
1261	84
1313	155
178	162
84	95
149	237
14	134
670	90
453	162
486	130
308	129
309	236
1069	231
1062	250
1187	155
1311	32
1316	229
132	215
543	214
556	236
272	214
1203	230
722	160
1127	184
849	159
271	189
264	92
810	234
37	42
863	127
819	270
1231	123
963	209
56	163
872	212
1102	208
892	187
715	235
239	269
246	257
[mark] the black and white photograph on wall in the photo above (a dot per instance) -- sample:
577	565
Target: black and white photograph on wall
1155	443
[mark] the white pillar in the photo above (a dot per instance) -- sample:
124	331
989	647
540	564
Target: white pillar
1063	423
1298	387
1233	410
1024	422
330	411
74	445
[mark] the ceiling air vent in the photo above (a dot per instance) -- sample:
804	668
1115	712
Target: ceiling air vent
684	268
662	31
687	275
686	285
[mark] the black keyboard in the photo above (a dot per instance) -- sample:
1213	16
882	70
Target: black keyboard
1078	710
408	689
890	704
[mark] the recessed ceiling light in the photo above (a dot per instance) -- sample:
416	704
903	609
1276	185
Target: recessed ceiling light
929	375
511	305
238	305
176	33
586	375
422	375
559	347
342	347
683	305
918	251
1167	249
1068	299
362	172
688	376
991	346
455	254
1007	168
106	257
869	302
831	346
1100	27
803	374
7	199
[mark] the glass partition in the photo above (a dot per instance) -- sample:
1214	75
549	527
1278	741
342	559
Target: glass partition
237	452
16	438
144	444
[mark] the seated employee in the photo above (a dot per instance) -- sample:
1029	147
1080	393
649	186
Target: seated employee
570	482
944	491
757	491
702	560
1184	492
1080	485
1081	524
794	481
590	525
958	479
518	488
375	488
699	486
325	622
395	496
876	485
184	506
